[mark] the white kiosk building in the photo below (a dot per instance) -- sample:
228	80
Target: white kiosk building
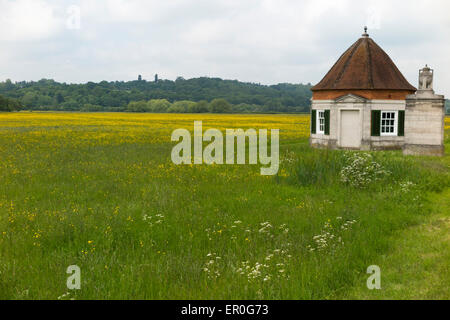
365	103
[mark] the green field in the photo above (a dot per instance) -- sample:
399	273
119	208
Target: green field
99	191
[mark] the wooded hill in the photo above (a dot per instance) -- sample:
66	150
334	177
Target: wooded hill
116	96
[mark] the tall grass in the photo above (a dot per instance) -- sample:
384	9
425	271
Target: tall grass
108	199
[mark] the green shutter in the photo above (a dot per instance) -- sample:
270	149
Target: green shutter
313	121
376	121
401	123
327	122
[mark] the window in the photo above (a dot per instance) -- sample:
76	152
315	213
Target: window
321	121
388	123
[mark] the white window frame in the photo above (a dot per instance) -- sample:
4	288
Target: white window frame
318	124
395	113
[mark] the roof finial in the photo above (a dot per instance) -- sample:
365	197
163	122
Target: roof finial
365	32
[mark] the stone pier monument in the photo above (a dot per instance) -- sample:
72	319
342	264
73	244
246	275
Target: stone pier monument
424	119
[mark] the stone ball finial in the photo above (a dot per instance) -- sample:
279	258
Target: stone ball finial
365	32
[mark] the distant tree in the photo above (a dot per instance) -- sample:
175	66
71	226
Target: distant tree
273	105
139	78
9	85
158	105
138	106
59	98
44	101
30	99
70	105
8	104
176	108
220	106
181	106
199	107
244	108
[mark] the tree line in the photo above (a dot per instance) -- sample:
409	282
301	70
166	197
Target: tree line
219	105
210	94
193	95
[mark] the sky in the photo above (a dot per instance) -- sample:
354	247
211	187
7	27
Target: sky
260	41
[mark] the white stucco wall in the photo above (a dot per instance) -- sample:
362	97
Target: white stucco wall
364	106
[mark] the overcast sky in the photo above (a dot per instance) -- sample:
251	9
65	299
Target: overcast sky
263	41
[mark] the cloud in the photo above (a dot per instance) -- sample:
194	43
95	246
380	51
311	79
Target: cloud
27	20
265	41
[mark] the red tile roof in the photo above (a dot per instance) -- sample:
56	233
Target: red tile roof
364	66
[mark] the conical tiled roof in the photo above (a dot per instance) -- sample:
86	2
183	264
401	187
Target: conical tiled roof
364	66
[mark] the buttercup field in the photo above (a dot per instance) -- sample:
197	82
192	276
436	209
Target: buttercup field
224	159
99	191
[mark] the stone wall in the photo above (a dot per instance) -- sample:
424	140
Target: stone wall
424	124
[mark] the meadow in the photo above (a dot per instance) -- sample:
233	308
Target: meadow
99	190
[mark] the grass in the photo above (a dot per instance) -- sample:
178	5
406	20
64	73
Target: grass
417	265
99	191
